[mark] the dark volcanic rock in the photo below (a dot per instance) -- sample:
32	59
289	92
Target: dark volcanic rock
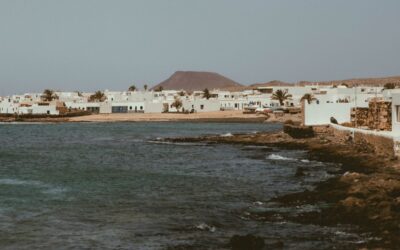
248	242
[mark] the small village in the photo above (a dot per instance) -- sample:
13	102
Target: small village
369	108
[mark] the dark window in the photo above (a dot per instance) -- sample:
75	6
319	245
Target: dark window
201	106
119	109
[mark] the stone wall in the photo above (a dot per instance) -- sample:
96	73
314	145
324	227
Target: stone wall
298	131
380	145
359	117
378	116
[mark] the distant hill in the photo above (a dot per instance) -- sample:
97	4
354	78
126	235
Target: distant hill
350	82
271	83
194	80
379	81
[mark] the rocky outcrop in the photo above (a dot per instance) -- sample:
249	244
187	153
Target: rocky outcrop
365	191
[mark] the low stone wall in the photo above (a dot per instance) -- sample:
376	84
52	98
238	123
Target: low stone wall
298	131
38	116
380	144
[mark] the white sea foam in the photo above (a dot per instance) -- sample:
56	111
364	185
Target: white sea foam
205	227
19	182
177	143
279	157
226	135
55	190
256	146
305	161
47	189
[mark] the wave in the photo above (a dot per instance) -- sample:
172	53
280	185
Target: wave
46	189
256	146
226	135
177	143
277	157
205	227
20	182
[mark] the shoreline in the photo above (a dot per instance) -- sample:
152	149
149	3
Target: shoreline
364	192
220	116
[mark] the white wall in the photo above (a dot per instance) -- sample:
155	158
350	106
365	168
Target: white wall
396	113
201	105
320	114
39	110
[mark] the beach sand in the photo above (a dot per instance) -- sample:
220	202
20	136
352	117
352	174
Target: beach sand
218	116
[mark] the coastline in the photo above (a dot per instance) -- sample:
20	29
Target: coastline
219	116
364	193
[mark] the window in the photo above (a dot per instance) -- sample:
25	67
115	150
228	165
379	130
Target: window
201	106
141	107
398	113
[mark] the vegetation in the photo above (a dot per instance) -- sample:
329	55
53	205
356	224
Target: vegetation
98	96
389	85
49	95
132	88
281	96
308	97
165	108
159	89
177	104
206	94
145	87
182	93
344	84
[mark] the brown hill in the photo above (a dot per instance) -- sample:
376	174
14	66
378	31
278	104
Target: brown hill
350	82
193	80
379	81
271	83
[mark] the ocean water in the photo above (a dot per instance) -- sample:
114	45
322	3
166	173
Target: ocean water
117	186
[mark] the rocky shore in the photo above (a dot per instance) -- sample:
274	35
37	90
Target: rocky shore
365	192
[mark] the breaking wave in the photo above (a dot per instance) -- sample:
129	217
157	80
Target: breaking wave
277	157
177	143
227	135
205	227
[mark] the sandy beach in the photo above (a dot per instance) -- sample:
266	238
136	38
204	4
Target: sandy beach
219	116
137	117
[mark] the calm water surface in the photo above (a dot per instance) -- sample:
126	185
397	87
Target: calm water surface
115	186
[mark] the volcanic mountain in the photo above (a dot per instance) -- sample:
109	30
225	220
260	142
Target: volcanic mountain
194	80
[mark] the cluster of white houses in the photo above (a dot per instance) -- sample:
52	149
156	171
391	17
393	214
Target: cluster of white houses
327	102
149	101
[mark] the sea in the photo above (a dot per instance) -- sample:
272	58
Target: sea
123	186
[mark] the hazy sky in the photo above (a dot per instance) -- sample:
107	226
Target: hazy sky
109	44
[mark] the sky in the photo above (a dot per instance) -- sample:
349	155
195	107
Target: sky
89	45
